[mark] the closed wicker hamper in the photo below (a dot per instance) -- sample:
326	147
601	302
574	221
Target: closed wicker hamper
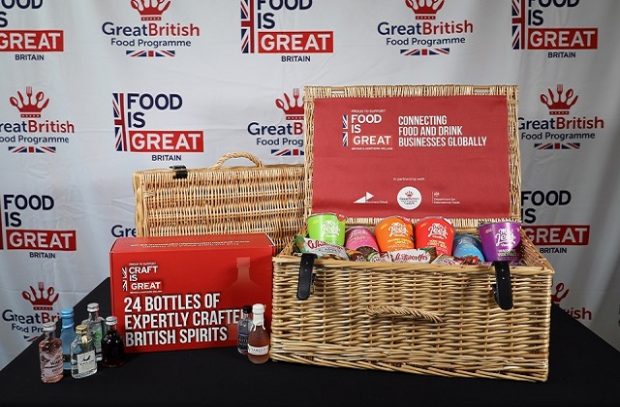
416	318
219	199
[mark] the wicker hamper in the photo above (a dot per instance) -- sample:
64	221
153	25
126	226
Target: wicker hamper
416	318
219	199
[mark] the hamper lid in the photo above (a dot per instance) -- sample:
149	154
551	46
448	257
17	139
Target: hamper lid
413	151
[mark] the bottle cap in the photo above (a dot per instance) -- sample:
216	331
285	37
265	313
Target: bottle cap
92	307
111	320
49	327
247	309
258	309
66	313
81	329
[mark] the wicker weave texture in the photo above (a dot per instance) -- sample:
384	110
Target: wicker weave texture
217	200
416	318
425	319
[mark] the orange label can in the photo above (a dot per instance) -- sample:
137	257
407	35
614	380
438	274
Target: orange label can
394	233
435	232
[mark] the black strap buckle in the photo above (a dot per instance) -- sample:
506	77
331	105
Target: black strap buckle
306	276
502	289
180	171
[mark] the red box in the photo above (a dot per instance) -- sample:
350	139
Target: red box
186	292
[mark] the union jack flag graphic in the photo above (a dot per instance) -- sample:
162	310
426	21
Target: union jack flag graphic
120	132
32	149
557	146
287	151
425	51
247	26
519	27
150	53
345	130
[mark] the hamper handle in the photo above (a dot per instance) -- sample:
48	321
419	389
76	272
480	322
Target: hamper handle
403	312
228	156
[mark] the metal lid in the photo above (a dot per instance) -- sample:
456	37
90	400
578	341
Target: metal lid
92	307
81	329
49	327
111	320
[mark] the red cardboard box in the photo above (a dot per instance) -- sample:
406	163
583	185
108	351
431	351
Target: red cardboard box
186	292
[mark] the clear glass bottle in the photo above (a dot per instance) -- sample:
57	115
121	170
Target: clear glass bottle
83	356
243	331
50	354
258	340
67	335
95	326
112	346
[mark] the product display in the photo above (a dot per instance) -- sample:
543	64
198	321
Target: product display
454	317
112	346
187	292
83	355
67	334
95	327
258	340
243	331
50	355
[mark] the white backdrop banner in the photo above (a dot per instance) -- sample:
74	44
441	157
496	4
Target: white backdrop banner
92	91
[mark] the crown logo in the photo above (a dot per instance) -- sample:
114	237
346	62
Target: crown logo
409	194
425	9
561	104
560	293
292	110
42	300
150	10
29	106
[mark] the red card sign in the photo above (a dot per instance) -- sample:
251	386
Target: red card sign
412	156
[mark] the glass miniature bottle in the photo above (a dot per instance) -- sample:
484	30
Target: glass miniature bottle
83	356
258	340
112	346
50	354
95	326
67	335
244	326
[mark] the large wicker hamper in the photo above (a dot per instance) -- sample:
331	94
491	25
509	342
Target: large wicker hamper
416	318
221	199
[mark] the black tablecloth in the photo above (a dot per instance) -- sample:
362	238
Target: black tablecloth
584	370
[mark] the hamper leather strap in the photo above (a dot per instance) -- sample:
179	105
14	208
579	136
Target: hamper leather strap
228	156
403	312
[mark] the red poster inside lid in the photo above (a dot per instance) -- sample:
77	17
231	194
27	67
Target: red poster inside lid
412	156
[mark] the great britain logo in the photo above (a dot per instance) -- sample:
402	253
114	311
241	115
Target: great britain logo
29	325
536	26
260	33
427	32
283	139
27	44
564	129
29	131
132	112
154	36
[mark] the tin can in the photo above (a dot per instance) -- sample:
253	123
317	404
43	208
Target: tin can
360	236
437	232
326	227
466	245
394	233
501	241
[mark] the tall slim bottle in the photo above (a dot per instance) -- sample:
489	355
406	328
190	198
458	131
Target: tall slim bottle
95	326
112	346
258	340
83	358
50	354
67	335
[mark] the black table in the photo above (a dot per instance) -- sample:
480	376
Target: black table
584	370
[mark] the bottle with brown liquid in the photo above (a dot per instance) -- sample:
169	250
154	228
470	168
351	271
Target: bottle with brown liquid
258	340
112	346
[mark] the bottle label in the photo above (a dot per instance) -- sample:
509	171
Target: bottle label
53	366
258	350
86	362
